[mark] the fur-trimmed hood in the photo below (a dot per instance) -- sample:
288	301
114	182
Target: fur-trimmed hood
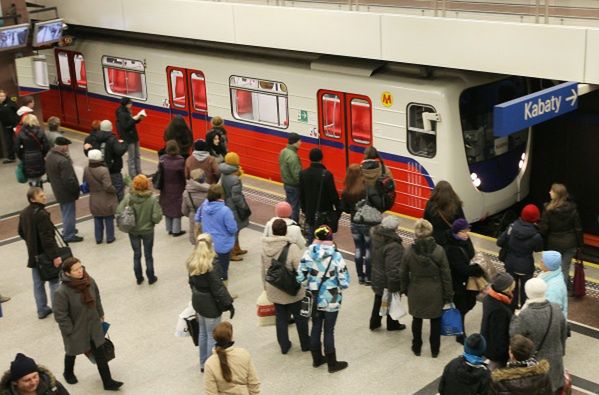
519	372
47	381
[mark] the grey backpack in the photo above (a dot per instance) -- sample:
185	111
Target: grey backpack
126	220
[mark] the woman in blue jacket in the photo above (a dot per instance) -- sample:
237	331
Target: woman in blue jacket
551	267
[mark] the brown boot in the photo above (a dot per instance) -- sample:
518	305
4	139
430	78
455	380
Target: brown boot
236	249
236	258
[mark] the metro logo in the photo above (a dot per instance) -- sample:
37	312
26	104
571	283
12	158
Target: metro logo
387	99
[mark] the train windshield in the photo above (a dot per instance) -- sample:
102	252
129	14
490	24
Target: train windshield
476	112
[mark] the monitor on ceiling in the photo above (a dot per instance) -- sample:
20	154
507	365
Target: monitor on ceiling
47	32
14	36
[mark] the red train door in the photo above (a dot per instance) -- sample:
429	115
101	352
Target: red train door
72	87
187	97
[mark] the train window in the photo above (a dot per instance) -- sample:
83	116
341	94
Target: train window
178	89
198	91
124	77
361	121
80	72
63	66
331	115
259	101
420	141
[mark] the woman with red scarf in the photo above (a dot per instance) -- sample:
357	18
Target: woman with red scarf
78	311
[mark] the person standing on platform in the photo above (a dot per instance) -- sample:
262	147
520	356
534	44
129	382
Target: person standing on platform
171	195
65	186
317	191
426	279
551	273
54	130
178	131
25	377
102	196
216	138
194	195
284	211
200	158
443	207
521	239
37	229
147	215
290	167
467	374
8	119
27	106
126	126
31	146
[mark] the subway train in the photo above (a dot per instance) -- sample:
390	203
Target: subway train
428	124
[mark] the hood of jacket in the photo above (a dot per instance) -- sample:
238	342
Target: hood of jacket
272	245
388	235
520	372
227	169
200	155
425	246
138	197
46	378
23	110
470	374
211	208
523	230
194	186
371	169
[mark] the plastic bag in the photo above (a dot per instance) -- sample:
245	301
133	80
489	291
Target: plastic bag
265	310
385	301
396	309
451	322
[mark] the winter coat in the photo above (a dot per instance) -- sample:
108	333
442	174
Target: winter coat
126	125
217	220
271	249
440	226
31	146
171	195
234	198
294	231
459	254
561	227
495	328
102	195
209	296
532	322
79	324
48	385
147	210
347	204
463	378
522	380
112	149
37	229
202	160
244	381
312	269
372	169
52	136
523	239
425	278
62	177
193	197
8	114
385	259
183	137
310	180
290	165
556	289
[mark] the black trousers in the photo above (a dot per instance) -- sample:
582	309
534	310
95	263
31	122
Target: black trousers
434	338
101	362
283	311
9	140
375	318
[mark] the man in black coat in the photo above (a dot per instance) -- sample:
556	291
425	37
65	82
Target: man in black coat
126	126
317	191
37	229
9	119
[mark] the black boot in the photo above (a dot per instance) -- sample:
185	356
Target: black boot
317	358
104	370
69	366
334	365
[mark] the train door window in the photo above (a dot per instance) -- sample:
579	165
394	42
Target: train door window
80	72
421	142
124	77
332	110
361	120
259	101
198	91
63	66
178	92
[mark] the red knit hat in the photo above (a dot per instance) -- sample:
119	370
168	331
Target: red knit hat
283	210
530	213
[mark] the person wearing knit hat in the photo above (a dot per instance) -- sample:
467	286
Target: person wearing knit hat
323	233
467	374
196	190
106	126
551	273
95	154
391	222
232	158
284	211
26	377
290	167
530	213
497	315
200	158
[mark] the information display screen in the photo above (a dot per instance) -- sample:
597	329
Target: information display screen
47	32
14	36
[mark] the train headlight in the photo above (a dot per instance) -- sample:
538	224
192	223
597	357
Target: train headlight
475	180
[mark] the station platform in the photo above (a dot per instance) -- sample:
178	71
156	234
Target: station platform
151	360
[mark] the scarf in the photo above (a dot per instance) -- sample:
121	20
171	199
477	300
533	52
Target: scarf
82	286
523	364
224	345
474	359
503	298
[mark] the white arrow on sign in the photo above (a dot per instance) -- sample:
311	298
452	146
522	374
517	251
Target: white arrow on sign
572	98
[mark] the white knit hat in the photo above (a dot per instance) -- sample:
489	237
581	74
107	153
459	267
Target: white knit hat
106	126
95	154
535	288
390	222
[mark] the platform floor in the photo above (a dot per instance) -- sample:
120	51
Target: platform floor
151	360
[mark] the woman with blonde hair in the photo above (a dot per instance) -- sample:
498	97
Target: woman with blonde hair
561	228
31	147
209	296
229	370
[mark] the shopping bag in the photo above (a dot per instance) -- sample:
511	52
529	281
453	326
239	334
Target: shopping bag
579	282
451	322
20	174
265	310
384	310
567	388
396	309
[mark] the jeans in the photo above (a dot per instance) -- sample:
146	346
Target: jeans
223	264
148	243
292	197
520	280
99	224
361	235
117	183
567	256
328	320
9	141
283	311
435	335
173	225
39	292
205	338
67	210
133	159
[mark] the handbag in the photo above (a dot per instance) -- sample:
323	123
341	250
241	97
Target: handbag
279	277
45	264
367	214
579	281
503	251
107	348
20	174
329	218
158	178
396	309
308	307
193	328
451	322
84	187
126	221
477	284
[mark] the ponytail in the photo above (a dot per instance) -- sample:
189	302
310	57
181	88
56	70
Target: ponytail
223	336
224	364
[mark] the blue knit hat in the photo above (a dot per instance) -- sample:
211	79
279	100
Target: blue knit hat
475	344
459	225
552	260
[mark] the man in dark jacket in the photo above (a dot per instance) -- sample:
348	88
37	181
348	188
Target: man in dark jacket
112	152
36	228
9	119
291	167
126	126
317	191
26	377
65	186
467	374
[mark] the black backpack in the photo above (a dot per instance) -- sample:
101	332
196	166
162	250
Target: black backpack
279	277
385	188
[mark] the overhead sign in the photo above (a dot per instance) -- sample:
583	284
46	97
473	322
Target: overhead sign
529	110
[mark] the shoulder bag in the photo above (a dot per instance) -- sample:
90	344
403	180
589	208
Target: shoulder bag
579	281
126	220
279	277
547	330
308	307
366	213
45	264
330	218
503	251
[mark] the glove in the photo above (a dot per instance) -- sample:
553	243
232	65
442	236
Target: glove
231	311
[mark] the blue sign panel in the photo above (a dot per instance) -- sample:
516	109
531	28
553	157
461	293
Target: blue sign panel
529	110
